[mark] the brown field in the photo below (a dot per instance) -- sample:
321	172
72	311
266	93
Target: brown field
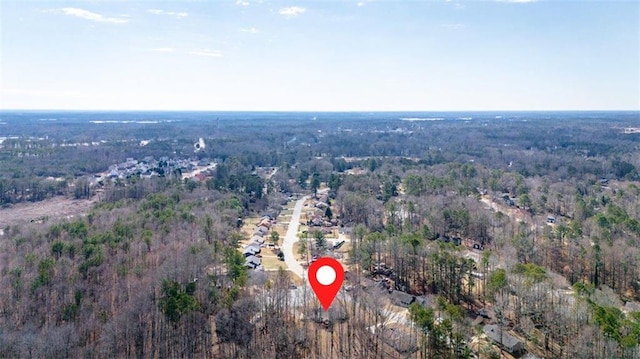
52	208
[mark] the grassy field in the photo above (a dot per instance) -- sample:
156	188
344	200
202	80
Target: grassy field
270	262
286	213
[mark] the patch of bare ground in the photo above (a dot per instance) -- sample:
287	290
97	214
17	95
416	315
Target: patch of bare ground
51	208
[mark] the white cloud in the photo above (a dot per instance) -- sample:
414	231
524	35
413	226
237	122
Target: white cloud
88	15
517	1
459	6
363	2
178	15
251	30
242	3
292	11
164	49
207	53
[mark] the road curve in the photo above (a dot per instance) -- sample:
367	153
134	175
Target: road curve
291	237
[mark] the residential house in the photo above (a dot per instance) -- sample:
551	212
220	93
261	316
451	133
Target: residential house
257	239
251	249
266	222
252	262
261	231
503	339
402	299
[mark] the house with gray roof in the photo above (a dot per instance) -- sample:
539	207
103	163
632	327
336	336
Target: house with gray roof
252	262
257	239
503	339
251	249
402	299
261	231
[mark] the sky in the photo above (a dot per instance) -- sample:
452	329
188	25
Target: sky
331	55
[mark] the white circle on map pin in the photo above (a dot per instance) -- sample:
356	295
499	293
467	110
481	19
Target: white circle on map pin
326	275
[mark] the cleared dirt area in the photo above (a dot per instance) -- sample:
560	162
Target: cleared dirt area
52	208
513	213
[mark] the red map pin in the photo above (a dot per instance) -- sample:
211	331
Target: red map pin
325	277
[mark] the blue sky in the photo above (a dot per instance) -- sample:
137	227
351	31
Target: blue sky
358	55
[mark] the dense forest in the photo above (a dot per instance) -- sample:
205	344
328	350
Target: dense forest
454	223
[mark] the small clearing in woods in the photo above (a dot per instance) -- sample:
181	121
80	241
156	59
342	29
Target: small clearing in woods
52	208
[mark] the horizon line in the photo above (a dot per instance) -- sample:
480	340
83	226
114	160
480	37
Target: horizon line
309	111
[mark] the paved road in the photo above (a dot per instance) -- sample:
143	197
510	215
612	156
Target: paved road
291	237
